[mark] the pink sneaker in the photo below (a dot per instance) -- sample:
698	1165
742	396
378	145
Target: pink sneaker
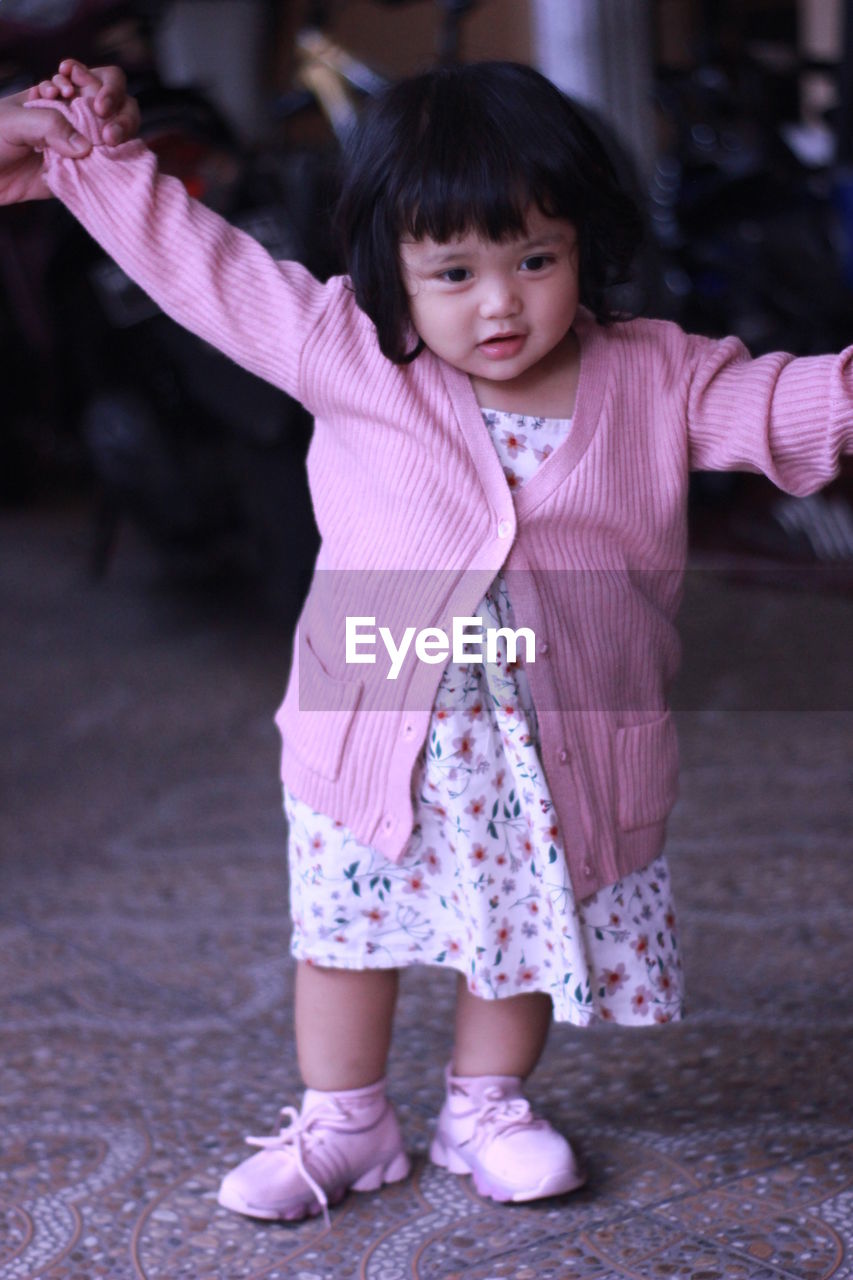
342	1141
486	1128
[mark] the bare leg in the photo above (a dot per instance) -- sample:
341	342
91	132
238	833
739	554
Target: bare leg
499	1037
343	1021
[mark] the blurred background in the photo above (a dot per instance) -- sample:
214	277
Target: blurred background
731	119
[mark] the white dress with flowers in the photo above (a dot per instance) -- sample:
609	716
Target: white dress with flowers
483	886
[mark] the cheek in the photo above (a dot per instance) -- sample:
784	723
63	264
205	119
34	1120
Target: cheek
412	290
416	310
568	300
428	314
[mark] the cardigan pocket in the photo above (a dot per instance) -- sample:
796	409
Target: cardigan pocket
646	772
327	706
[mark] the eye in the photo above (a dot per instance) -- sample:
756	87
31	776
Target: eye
537	262
454	275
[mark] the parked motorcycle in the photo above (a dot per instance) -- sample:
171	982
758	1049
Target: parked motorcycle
749	241
206	459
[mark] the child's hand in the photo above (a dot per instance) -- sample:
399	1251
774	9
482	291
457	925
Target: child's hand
106	86
25	134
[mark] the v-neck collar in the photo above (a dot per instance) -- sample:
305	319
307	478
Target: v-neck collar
559	464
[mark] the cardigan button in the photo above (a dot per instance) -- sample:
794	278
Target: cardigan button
408	730
565	756
388	825
544	647
504	528
587	870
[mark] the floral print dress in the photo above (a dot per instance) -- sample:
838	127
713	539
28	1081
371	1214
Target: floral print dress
483	886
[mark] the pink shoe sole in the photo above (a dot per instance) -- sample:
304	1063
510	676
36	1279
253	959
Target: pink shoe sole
308	1206
555	1184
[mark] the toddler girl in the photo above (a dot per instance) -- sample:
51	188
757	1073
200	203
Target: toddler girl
478	760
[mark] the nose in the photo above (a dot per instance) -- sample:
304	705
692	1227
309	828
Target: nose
500	299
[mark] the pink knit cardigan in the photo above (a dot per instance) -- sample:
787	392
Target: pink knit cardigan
416	516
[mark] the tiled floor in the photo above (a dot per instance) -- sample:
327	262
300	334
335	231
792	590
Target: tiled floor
145	996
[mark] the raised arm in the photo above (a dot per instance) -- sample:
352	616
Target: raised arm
208	276
788	417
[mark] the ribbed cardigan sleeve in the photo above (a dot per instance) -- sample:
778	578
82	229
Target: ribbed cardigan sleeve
788	417
210	277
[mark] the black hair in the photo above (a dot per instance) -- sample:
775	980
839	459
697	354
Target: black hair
466	149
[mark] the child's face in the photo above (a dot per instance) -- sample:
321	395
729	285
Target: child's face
495	309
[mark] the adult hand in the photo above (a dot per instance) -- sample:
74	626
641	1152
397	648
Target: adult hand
24	134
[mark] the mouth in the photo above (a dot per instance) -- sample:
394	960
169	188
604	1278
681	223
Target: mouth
501	346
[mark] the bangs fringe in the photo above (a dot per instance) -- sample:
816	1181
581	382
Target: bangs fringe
466	150
469	174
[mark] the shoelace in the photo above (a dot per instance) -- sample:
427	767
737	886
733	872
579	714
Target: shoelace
291	1139
502	1116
